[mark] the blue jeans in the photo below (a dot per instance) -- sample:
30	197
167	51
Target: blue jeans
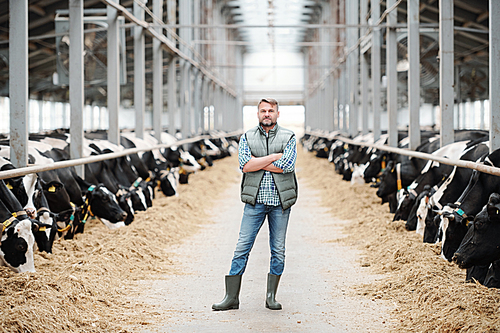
253	218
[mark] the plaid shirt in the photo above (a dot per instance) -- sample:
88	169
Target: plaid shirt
268	193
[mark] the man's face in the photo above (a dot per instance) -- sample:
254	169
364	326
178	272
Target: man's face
268	115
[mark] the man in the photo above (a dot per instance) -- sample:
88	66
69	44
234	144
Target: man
267	155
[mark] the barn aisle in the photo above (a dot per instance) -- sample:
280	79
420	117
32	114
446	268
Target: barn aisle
315	290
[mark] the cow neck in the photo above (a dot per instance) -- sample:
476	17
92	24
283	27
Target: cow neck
71	219
10	222
86	209
398	174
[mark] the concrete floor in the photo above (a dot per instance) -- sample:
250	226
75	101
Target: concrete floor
314	289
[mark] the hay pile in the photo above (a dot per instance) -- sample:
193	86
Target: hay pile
428	292
88	284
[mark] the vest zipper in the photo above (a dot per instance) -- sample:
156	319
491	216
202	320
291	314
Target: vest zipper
267	143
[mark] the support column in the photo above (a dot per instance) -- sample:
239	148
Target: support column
205	97
76	84
113	75
494	75
353	61
414	73
139	73
172	95
157	74
365	81
185	98
392	76
198	101
375	58
18	83
446	61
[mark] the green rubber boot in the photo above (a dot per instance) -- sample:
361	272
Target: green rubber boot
272	287
230	301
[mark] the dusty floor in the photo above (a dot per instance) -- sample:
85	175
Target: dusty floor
314	290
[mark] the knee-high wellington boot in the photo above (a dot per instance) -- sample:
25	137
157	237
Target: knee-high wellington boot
231	300
272	287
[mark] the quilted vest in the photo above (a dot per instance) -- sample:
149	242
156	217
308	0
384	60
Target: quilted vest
260	145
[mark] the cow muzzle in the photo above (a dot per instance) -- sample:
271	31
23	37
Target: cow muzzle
31	213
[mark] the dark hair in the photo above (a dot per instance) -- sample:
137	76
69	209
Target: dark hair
271	101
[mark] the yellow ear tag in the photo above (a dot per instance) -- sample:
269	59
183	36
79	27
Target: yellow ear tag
52	189
9	186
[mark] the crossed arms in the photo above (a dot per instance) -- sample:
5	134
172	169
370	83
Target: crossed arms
263	163
277	163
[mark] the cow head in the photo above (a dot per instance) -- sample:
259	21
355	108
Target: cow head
125	203
46	233
16	249
481	244
169	180
103	204
431	230
454	225
405	203
388	180
376	165
15	184
188	162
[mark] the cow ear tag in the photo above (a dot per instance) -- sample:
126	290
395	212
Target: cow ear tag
52	189
91	188
9	186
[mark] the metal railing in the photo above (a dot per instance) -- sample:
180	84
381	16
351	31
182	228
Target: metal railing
459	163
91	159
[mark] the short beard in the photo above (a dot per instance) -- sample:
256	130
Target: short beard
262	124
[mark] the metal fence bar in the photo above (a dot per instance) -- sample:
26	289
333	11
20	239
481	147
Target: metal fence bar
86	160
459	163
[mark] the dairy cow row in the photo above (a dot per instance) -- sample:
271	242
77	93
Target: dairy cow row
456	207
39	208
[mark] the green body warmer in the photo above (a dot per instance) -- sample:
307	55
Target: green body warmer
260	146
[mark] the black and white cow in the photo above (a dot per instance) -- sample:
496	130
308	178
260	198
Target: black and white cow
16	242
481	244
456	217
434	172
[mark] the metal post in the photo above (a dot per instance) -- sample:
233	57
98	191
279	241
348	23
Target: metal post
76	84
392	77
494	75
353	61
205	101
414	73
139	73
185	98
446	61
113	75
363	9
481	112
171	17
157	75
375	59
172	95
218	108
18	83
336	124
197	100
345	112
